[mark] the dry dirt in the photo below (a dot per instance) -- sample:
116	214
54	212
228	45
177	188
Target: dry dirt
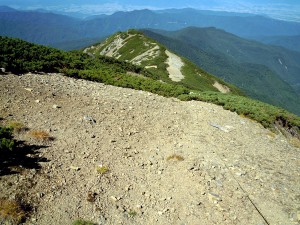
222	88
175	64
233	171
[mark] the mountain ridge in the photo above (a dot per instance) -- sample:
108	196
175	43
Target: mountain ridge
134	47
13	25
111	71
254	76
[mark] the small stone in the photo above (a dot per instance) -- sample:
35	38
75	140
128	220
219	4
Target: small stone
37	101
160	213
257	177
240	173
191	167
128	187
165	210
76	168
40	195
113	198
89	119
214	198
93	136
28	89
56	107
139	206
122	209
136	152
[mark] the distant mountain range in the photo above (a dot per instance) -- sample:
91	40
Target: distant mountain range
250	65
289	42
264	72
53	29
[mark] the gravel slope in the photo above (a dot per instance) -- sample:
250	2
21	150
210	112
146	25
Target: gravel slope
233	172
175	65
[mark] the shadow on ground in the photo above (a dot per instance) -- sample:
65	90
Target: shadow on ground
23	156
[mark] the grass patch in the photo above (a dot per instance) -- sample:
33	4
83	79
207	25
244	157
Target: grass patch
41	135
16	126
271	134
175	157
102	169
132	213
294	142
82	222
11	212
266	114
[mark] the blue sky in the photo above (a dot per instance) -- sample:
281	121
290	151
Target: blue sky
283	9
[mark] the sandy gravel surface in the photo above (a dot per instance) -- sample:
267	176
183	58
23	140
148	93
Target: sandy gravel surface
233	171
175	64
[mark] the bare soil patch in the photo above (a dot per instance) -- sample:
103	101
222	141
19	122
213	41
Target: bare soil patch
121	156
175	64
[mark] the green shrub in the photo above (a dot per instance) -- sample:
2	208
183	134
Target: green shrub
6	139
16	126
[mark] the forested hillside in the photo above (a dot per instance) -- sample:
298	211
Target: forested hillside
259	70
289	42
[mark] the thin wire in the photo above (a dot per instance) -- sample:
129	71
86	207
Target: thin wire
245	192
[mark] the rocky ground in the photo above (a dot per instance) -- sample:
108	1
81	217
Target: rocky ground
120	156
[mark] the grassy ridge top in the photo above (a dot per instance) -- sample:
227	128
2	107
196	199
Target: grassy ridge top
135	47
20	57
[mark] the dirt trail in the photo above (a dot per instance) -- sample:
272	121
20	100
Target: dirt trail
233	172
175	64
